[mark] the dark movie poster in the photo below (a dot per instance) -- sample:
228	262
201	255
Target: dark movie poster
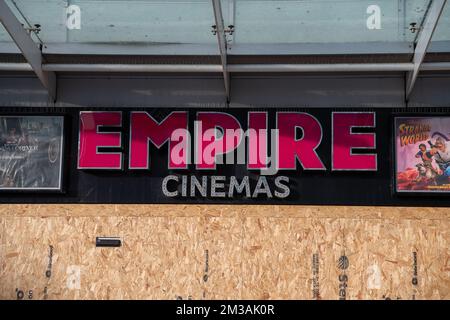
423	154
31	152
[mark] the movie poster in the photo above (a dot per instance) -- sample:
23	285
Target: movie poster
31	152
422	154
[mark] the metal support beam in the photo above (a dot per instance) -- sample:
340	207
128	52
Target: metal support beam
245	68
222	41
28	48
231	20
138	68
423	41
327	67
241	68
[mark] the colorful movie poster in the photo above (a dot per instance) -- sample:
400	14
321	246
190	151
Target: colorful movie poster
422	154
31	152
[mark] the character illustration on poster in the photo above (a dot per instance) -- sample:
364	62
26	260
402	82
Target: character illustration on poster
30	150
423	154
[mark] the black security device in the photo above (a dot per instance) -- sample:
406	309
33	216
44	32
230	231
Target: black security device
108	242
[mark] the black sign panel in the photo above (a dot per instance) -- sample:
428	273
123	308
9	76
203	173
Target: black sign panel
159	183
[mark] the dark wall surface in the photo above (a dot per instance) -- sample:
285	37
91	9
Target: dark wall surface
247	90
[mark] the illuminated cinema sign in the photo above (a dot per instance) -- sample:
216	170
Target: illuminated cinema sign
205	141
218	133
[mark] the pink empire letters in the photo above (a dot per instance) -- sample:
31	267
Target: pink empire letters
297	136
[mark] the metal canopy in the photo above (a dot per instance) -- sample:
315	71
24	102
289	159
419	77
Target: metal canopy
424	39
29	49
222	41
225	36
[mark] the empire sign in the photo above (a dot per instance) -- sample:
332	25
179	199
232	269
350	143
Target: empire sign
264	143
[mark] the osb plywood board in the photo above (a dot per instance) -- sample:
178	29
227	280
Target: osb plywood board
193	210
223	255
